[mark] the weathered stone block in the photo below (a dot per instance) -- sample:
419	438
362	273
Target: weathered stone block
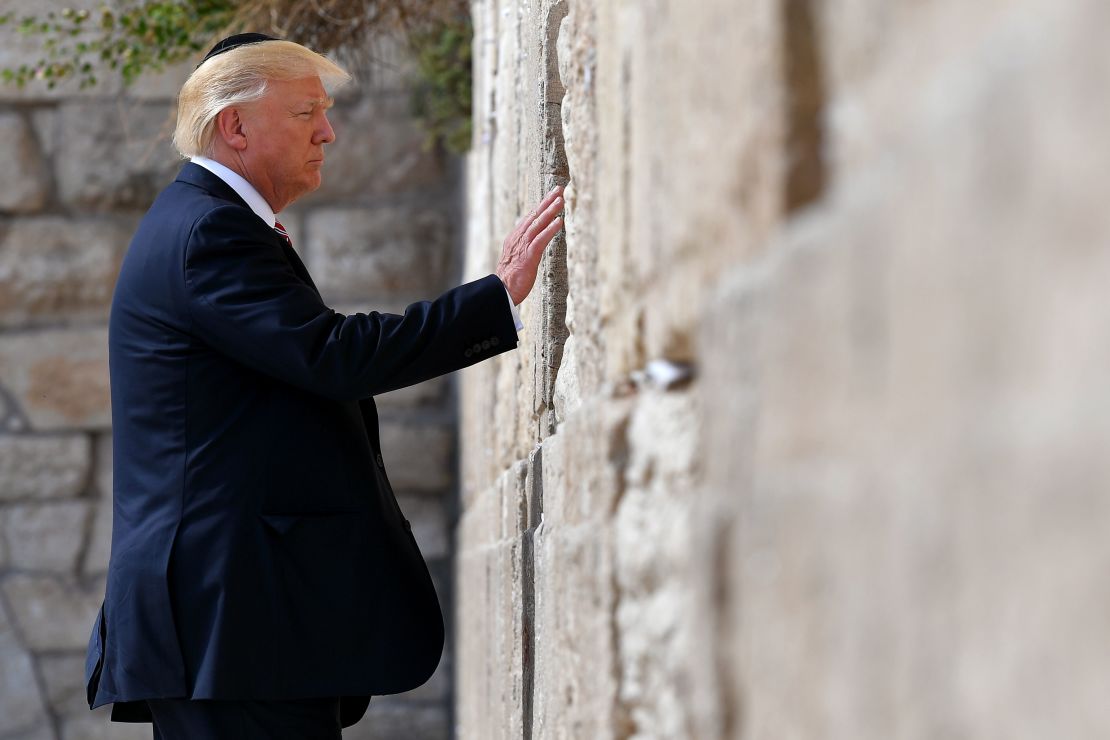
45	536
429	523
161	86
422	394
96	725
99	550
43	467
392	719
27	183
54	269
576	669
63	677
377	252
17	49
584	463
438	687
114	157
417	454
379	149
59	377
52	613
21	704
100	538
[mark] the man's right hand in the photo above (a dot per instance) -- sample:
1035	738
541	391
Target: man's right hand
523	248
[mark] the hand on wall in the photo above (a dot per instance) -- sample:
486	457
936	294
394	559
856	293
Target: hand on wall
520	256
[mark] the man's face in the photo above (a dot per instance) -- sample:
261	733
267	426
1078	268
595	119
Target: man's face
286	132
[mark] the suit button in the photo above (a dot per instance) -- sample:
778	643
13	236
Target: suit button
468	352
486	344
494	341
476	348
379	460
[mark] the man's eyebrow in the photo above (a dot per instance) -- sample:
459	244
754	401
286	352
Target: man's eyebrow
314	103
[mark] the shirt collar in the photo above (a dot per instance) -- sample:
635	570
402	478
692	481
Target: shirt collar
241	187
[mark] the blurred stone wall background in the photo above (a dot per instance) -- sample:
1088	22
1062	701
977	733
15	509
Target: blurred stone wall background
80	167
807	434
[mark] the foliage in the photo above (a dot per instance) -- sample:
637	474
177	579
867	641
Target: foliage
131	40
443	98
135	36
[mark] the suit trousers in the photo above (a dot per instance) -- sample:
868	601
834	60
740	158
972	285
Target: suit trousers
303	719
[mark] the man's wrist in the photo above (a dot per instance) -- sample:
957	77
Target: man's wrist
513	308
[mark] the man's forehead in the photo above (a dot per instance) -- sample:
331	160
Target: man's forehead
305	89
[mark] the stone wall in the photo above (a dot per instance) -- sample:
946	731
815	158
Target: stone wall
806	435
81	166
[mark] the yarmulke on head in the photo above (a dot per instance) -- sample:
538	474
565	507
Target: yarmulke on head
234	42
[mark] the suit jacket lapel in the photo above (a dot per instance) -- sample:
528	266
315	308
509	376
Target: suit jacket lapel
298	266
194	174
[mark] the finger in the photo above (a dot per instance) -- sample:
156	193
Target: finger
547	200
536	247
542	221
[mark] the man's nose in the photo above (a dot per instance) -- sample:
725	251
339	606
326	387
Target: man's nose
324	132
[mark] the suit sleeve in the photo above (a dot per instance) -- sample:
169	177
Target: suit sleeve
246	302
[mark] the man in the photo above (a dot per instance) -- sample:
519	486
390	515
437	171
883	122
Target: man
263	581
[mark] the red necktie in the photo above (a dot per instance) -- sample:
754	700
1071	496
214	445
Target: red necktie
282	232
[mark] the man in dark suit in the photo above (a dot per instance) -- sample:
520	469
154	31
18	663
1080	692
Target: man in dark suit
263	581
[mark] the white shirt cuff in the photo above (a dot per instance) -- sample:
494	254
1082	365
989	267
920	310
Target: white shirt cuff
515	310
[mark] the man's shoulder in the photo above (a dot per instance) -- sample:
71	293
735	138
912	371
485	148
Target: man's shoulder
197	188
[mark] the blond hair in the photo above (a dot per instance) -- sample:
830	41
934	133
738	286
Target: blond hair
240	76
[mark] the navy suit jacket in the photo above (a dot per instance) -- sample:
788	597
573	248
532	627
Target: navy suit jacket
258	552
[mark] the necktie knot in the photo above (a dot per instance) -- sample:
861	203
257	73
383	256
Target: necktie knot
282	232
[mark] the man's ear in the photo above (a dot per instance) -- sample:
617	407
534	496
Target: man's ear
229	128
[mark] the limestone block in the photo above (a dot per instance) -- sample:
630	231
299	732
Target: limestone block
51	613
653	538
917	532
489	622
26	187
162	86
59	377
429	523
47	536
97	725
377	252
584	463
480	523
115	155
17	49
99	550
422	394
102	464
438	687
54	269
417	454
379	149
43	466
21	704
392	719
389	67
63	677
576	671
